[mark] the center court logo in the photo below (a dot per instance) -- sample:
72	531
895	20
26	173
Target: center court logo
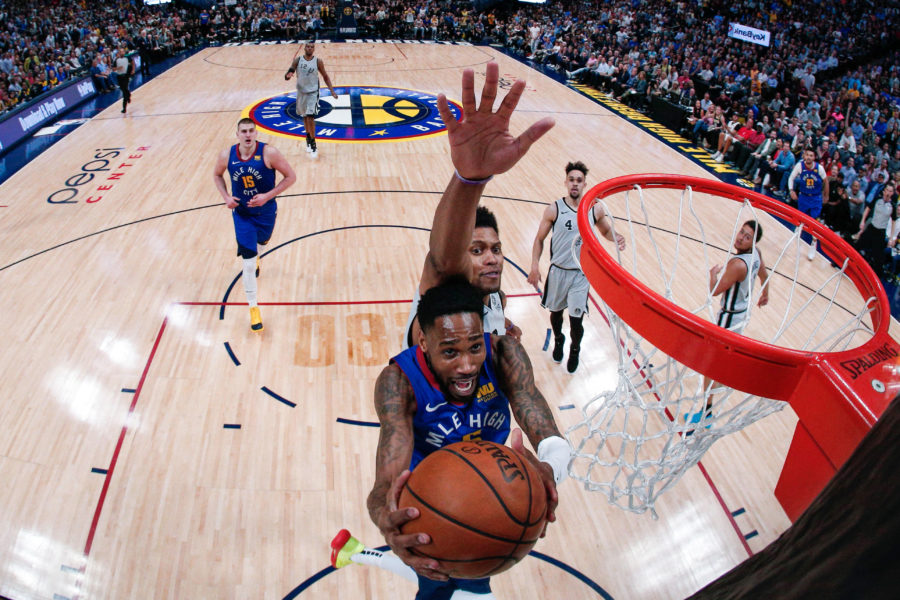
358	114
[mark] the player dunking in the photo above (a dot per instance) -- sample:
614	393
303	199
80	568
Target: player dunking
429	397
480	146
566	285
251	167
308	66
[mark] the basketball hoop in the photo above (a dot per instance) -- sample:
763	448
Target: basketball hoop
828	352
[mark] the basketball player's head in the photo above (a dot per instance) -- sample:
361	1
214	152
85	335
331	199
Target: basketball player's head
308	49
576	173
246	132
749	234
451	336
809	157
486	252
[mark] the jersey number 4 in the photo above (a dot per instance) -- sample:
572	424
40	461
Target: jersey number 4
568	225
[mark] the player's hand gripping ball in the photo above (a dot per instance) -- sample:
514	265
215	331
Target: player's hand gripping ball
483	504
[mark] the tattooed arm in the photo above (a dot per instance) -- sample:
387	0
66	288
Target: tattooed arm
395	403
528	405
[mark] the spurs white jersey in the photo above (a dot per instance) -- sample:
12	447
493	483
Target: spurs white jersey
494	319
307	75
564	235
736	299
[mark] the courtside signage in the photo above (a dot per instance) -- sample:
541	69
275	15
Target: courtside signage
749	34
349	41
358	114
22	122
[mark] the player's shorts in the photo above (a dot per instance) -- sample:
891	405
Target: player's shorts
430	589
566	288
810	205
308	103
253	229
733	321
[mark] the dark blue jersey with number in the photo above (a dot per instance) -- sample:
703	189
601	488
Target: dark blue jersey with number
249	178
437	422
809	182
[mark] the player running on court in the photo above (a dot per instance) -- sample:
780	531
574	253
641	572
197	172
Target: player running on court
308	67
251	167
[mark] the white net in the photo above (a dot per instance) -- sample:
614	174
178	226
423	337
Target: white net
637	440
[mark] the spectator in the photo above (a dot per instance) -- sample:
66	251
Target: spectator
100	77
856	198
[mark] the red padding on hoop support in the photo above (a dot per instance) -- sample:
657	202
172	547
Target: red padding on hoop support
837	396
802	474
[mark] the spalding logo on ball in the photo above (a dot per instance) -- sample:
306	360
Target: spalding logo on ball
484	506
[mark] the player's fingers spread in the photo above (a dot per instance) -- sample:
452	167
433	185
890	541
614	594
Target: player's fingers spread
468	91
489	91
444	110
534	133
511	100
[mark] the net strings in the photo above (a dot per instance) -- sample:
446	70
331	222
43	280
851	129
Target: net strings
637	440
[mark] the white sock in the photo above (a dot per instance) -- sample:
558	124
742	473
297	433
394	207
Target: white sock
386	561
249	277
765	180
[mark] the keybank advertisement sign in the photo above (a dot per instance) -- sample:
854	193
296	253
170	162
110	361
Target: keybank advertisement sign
26	120
749	34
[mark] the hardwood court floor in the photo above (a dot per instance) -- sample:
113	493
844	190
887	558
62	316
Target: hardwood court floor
123	379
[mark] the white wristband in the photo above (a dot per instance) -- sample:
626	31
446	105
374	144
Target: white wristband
556	452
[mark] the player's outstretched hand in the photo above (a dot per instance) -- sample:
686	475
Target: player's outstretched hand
544	469
392	519
480	143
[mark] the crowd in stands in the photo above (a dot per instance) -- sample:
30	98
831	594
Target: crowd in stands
829	80
45	44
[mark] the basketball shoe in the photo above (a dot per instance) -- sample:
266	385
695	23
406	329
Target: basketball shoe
559	343
343	546
255	319
695	418
572	363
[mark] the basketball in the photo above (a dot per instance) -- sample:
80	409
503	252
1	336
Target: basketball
483	504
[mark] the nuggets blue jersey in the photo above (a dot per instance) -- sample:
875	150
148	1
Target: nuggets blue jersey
249	178
437	422
810	181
